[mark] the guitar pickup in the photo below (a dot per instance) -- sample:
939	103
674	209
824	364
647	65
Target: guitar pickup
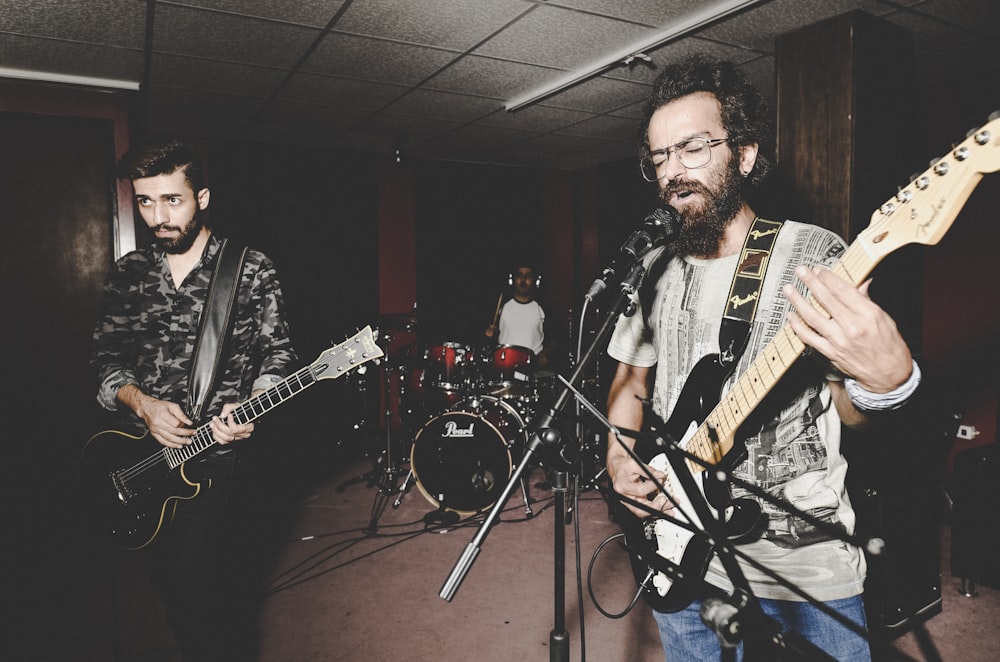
649	528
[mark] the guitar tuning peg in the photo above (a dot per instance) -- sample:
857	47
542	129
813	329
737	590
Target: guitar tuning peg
994	115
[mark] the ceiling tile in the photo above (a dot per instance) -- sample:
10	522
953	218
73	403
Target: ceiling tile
487	77
582	38
335	91
981	17
376	60
647	12
605	127
200	74
601	95
537	118
444	105
316	13
110	22
231	38
441	23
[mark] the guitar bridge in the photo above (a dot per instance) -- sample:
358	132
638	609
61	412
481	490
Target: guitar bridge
121	489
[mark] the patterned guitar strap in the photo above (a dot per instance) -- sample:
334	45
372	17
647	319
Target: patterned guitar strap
744	293
737	321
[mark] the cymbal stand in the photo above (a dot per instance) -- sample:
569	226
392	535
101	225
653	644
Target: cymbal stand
384	476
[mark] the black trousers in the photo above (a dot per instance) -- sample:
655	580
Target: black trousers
190	562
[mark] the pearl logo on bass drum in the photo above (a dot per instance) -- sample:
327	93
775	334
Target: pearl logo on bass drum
451	429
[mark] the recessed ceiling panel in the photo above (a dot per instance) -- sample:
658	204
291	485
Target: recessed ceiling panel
451	24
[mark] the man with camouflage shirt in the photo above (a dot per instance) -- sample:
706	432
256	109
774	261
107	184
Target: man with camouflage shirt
144	344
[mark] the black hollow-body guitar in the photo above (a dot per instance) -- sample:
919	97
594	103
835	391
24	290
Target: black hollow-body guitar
137	483
706	423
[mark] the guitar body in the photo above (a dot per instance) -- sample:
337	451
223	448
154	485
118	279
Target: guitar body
659	544
137	483
135	505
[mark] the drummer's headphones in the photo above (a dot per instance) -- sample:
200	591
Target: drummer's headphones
538	277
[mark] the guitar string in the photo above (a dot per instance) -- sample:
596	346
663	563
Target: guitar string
777	357
169	455
202	438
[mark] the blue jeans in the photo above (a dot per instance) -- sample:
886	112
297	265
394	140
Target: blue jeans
686	638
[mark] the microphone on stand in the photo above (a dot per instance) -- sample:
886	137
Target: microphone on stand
660	226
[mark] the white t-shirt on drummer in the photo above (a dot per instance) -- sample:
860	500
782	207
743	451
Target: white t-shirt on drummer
522	324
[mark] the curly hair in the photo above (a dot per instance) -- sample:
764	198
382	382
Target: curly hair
163	158
745	115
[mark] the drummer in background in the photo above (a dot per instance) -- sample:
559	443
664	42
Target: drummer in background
521	320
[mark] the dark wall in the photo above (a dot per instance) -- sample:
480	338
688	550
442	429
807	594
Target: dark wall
313	213
58	190
473	224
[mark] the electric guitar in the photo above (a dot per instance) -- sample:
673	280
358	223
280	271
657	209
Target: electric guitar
138	483
706	422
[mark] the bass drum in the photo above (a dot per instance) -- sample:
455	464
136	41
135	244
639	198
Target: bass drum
461	459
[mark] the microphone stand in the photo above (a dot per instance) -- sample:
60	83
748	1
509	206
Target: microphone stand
548	436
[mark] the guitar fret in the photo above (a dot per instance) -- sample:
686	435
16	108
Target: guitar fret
283	396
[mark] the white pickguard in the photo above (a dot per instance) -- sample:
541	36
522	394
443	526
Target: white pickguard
671	539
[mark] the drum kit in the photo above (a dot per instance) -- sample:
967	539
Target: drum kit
466	410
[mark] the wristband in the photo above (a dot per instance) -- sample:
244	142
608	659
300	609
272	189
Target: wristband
866	400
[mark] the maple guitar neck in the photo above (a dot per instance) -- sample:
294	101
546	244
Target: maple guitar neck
920	213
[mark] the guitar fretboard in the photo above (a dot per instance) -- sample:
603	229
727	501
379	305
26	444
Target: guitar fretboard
715	437
248	411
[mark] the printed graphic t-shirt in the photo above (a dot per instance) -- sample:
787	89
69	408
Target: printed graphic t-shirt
796	455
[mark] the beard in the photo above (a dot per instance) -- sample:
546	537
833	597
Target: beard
185	239
703	225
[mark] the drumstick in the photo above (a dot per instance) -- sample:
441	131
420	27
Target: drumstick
496	315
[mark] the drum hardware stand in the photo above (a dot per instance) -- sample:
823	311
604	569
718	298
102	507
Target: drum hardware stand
383	477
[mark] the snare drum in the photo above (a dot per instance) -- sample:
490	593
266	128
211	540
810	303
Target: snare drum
461	459
512	365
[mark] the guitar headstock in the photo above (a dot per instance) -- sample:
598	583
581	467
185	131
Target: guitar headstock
923	211
348	355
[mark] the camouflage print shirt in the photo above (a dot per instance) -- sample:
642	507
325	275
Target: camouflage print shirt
147	329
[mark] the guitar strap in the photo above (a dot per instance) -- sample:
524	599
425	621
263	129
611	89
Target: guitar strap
744	293
215	321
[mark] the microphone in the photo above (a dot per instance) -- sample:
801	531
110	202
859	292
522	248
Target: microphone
660	226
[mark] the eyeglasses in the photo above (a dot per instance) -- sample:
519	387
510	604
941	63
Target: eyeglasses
694	153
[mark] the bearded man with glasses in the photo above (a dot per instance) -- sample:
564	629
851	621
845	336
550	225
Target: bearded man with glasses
706	143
